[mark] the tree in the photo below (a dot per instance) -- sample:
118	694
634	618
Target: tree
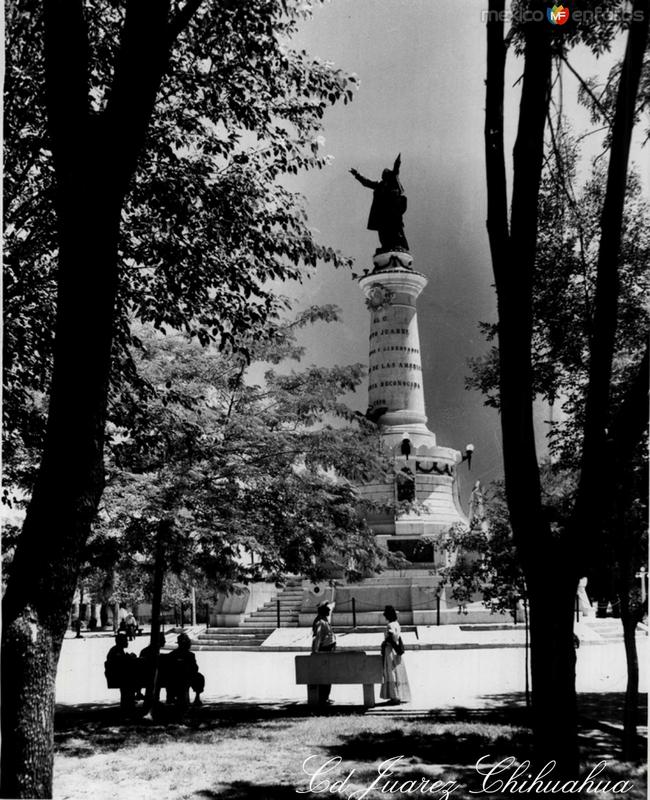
250	481
127	134
514	244
483	559
564	288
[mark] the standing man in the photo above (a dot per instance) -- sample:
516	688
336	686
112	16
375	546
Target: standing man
324	641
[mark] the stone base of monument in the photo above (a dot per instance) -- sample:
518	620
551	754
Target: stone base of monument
392	259
414	596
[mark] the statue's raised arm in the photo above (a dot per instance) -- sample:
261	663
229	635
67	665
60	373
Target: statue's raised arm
364	181
388	207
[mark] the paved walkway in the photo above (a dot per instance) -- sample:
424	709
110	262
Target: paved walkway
432	637
445	678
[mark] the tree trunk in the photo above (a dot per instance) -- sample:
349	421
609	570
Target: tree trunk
70	482
588	523
627	435
94	156
630	746
513	249
553	661
193	601
162	538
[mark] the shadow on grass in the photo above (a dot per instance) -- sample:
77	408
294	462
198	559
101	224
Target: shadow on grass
437	742
240	790
609	707
84	729
440	736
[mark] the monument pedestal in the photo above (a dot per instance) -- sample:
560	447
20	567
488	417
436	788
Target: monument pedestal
422	494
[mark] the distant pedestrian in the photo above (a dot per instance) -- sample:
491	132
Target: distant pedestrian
324	641
131	626
77	627
395	685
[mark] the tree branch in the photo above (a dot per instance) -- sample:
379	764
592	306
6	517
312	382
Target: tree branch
587	89
181	19
597	406
497	202
66	75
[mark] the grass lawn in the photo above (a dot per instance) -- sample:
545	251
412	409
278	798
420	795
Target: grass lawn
258	752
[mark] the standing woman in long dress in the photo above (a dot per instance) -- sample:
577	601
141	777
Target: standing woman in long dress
395	686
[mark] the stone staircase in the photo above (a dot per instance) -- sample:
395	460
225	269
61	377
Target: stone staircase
230	639
610	628
266	617
257	626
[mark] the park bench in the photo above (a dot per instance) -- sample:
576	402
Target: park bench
342	667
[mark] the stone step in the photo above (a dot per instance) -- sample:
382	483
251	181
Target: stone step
249	630
240	634
272	614
272	626
206	648
232	643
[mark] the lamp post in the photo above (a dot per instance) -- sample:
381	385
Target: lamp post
469	452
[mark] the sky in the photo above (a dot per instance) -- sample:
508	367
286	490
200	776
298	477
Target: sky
421	68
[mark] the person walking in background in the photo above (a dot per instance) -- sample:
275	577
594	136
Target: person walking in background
131	626
323	641
395	685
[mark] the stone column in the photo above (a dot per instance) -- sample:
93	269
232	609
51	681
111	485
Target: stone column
395	390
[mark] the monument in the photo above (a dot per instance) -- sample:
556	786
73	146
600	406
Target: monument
421	500
425	490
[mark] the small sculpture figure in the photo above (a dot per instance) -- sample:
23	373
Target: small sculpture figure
477	515
388	207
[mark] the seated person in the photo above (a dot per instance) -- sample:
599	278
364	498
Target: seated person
147	655
183	673
121	671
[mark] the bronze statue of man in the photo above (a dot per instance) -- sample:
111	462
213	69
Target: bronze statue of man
388	207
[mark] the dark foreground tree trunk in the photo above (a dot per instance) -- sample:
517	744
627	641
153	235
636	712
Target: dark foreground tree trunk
95	156
44	573
630	748
553	660
548	568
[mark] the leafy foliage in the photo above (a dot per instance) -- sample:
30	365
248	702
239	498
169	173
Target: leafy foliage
257	480
483	558
206	224
563	300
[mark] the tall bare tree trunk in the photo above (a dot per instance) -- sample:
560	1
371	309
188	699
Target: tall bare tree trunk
513	250
513	247
627	454
630	748
94	158
588	522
